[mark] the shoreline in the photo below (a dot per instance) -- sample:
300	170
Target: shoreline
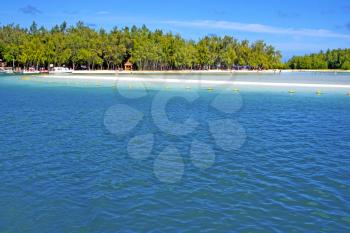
277	71
196	81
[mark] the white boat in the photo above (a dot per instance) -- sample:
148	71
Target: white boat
5	71
60	70
31	71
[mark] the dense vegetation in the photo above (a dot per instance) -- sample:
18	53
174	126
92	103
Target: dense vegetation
81	46
331	59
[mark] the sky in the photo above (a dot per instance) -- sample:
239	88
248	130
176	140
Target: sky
294	27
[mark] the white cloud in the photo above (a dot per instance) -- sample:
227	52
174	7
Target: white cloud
102	12
300	46
258	28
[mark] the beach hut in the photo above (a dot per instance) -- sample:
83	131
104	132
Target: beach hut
128	66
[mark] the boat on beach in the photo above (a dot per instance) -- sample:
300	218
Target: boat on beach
43	71
60	70
31	71
5	71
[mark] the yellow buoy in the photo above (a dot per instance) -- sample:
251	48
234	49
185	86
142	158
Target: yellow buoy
25	78
167	87
318	92
291	91
236	90
349	93
210	89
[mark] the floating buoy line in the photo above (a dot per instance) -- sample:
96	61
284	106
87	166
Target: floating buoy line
209	89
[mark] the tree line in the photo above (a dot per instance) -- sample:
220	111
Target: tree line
331	59
81	46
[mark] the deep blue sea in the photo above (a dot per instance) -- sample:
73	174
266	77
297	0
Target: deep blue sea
81	156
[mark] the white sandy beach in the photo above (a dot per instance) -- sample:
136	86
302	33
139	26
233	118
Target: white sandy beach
194	81
91	72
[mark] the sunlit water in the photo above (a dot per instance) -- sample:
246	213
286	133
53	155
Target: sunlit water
64	168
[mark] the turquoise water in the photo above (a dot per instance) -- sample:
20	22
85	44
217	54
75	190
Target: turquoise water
71	160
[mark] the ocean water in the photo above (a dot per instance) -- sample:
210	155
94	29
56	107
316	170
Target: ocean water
79	156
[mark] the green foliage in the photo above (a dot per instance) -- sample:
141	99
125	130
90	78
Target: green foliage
79	45
332	59
346	65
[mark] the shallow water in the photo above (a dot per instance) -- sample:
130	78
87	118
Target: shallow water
80	156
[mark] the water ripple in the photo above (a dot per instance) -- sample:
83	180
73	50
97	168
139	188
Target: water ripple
62	171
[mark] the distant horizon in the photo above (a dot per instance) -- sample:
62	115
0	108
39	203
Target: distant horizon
294	28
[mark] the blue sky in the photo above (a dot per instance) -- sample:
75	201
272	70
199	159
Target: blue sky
294	27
